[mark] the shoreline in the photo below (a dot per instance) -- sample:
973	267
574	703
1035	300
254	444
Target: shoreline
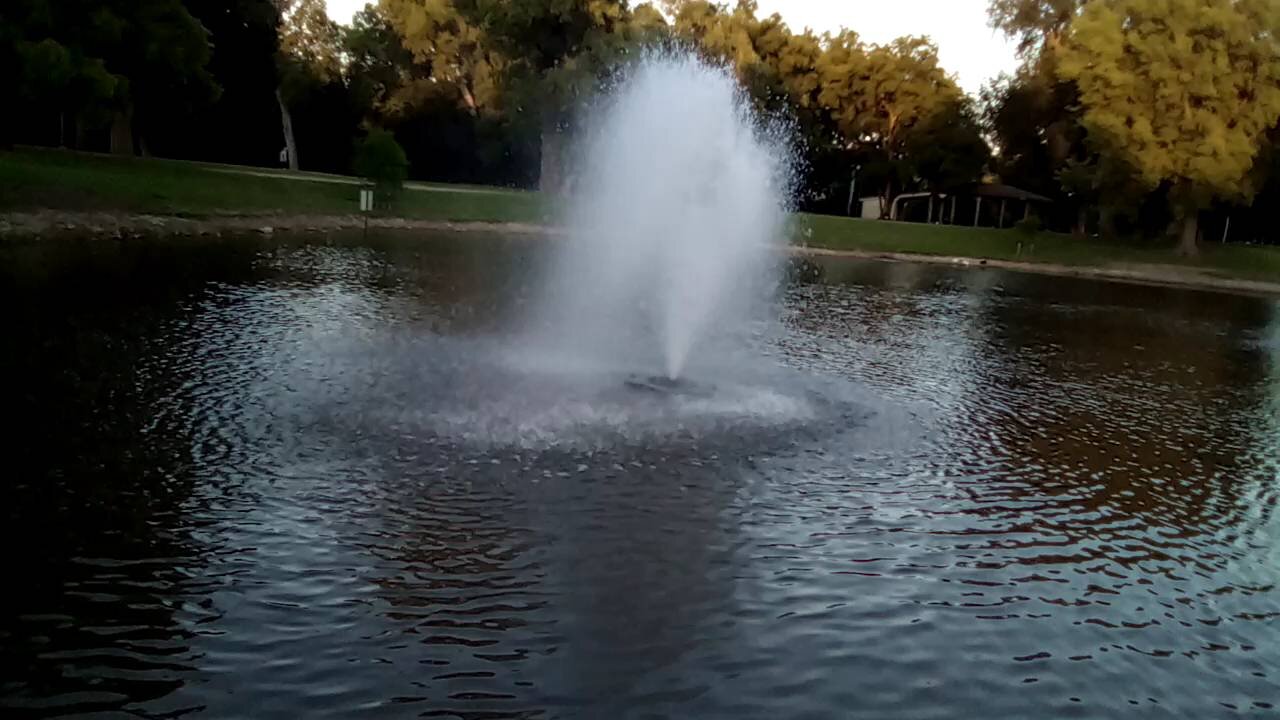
1157	275
32	225
120	225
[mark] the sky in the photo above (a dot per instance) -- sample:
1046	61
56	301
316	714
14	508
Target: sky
966	45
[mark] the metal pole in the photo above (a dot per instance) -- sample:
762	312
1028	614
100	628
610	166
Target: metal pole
977	211
1226	229
366	206
1000	224
853	184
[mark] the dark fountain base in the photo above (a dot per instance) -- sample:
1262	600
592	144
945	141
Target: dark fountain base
662	385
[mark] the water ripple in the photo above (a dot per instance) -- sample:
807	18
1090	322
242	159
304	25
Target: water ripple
313	479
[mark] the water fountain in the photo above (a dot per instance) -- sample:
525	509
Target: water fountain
677	202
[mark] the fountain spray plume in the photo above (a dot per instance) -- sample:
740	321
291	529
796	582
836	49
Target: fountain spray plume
676	211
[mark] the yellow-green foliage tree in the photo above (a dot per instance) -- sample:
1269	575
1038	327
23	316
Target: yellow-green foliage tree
1182	91
772	62
456	56
1038	25
878	94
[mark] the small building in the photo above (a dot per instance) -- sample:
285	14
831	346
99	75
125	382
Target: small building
870	207
989	205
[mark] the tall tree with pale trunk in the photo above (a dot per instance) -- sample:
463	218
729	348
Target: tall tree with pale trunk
310	52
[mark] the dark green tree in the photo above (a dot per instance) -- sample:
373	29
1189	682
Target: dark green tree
243	125
378	63
946	151
557	51
141	63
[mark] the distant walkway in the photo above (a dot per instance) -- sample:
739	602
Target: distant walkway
342	180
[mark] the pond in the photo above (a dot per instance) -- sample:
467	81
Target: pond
303	477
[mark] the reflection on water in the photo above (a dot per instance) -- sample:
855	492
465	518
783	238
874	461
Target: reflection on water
232	493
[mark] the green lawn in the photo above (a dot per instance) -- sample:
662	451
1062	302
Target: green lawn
53	179
838	233
70	181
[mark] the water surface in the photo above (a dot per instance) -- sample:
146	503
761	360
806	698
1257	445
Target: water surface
311	477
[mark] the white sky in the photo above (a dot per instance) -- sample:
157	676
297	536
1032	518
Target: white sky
968	48
342	10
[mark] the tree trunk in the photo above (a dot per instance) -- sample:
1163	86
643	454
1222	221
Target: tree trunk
550	179
930	220
1082	222
469	100
887	208
122	133
1107	222
81	135
286	121
1188	234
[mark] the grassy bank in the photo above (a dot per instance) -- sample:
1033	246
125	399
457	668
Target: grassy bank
871	236
32	179
47	179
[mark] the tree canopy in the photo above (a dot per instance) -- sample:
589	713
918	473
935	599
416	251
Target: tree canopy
1130	114
99	63
1182	91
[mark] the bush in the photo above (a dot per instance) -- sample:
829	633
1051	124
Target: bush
381	161
1030	226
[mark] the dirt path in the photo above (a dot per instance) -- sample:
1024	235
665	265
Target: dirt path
339	180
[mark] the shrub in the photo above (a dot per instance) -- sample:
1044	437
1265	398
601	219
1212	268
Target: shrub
1030	226
381	161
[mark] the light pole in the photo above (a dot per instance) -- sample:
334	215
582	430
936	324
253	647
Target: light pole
853	185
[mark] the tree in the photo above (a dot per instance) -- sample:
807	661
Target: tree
776	66
1180	90
946	150
308	37
1034	115
878	94
452	54
242	125
557	50
110	59
453	108
57	80
1038	25
724	35
166	53
310	55
778	69
380	160
1034	118
378	63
